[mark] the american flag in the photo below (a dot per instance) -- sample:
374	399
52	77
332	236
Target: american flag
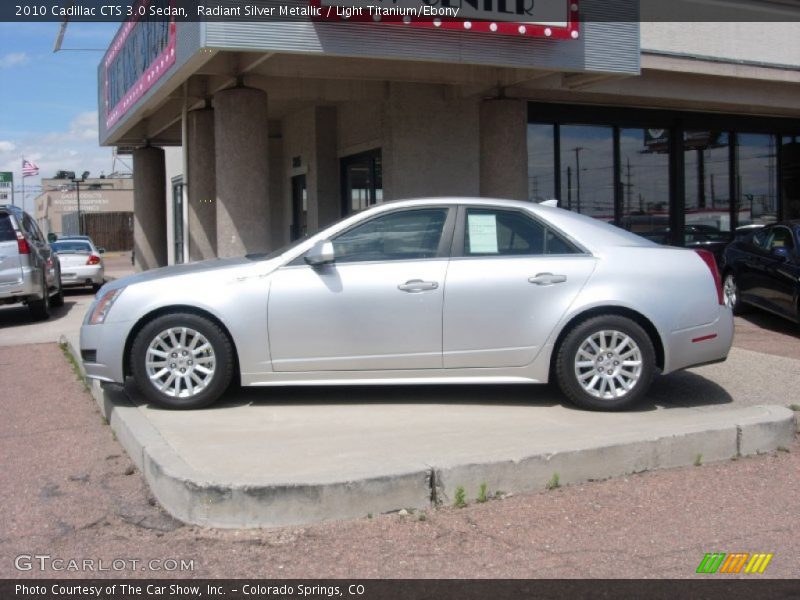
29	169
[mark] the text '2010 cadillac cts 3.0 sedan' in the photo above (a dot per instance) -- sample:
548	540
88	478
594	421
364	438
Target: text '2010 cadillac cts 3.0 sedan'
443	290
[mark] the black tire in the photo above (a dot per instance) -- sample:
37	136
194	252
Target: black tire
96	287
570	349
733	298
58	298
40	309
222	352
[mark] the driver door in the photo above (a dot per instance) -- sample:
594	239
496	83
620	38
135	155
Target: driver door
378	306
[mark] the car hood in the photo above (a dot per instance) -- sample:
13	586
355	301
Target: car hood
209	266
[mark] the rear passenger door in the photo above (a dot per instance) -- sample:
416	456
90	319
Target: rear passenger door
511	278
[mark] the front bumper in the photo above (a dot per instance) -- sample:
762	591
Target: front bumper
700	345
107	342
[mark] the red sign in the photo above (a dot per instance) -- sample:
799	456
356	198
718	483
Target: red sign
557	19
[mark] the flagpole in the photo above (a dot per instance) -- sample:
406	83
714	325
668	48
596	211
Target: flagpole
23	183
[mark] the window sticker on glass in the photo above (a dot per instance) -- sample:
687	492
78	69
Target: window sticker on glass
482	234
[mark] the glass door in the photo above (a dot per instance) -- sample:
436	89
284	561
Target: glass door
298	227
362	181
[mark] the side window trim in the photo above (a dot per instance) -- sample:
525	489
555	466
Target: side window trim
445	242
459	237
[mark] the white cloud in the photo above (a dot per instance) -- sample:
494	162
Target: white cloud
75	148
13	59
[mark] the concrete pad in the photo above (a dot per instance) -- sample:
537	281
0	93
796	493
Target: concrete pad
285	456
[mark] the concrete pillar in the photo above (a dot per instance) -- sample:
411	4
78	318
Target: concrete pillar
149	208
504	149
242	167
202	184
327	207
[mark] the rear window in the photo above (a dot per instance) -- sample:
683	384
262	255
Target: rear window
7	233
71	247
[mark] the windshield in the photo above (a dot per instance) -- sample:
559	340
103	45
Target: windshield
77	247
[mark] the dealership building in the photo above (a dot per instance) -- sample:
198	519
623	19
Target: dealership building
247	135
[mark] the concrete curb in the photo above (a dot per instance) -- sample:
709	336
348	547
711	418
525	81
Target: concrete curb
197	499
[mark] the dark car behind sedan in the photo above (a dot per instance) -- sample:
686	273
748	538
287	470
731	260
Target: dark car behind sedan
762	269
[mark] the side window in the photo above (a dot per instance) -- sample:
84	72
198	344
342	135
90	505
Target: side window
491	232
7	233
780	237
760	238
403	235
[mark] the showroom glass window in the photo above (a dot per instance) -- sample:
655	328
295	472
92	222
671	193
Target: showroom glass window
756	186
707	192
402	235
541	158
674	177
587	170
644	182
790	176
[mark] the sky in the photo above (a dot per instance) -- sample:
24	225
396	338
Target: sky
48	101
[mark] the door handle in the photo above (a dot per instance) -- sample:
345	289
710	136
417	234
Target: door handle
547	279
417	285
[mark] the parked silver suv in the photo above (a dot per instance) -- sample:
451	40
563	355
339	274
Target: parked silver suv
29	271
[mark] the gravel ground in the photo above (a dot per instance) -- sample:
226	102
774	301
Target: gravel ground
68	490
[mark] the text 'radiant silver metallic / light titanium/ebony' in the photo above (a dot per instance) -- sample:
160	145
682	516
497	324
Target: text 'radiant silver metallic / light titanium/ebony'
441	290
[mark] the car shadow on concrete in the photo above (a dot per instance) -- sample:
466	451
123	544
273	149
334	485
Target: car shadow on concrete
19	314
678	390
770	322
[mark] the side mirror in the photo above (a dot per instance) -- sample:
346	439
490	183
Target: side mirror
52	237
321	253
101	250
780	253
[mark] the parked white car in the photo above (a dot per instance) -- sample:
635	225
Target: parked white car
81	262
442	290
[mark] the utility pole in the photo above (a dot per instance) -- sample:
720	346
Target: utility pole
78	183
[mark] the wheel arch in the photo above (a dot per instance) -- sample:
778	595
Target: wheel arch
173	309
622	311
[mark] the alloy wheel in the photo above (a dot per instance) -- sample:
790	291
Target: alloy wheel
608	364
180	362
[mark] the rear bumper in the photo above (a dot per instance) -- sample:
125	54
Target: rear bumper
107	342
85	275
28	286
704	344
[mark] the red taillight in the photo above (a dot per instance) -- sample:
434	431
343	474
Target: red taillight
93	260
22	244
711	263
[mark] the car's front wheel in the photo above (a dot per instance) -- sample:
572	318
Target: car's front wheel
182	360
606	363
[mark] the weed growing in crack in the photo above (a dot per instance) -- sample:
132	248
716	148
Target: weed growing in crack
698	460
461	497
554	483
482	497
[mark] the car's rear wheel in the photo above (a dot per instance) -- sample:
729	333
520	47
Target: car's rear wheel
182	360
733	299
40	308
606	363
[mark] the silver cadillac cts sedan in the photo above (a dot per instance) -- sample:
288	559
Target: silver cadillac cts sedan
440	290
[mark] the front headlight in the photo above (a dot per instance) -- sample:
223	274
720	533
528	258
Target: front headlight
104	304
